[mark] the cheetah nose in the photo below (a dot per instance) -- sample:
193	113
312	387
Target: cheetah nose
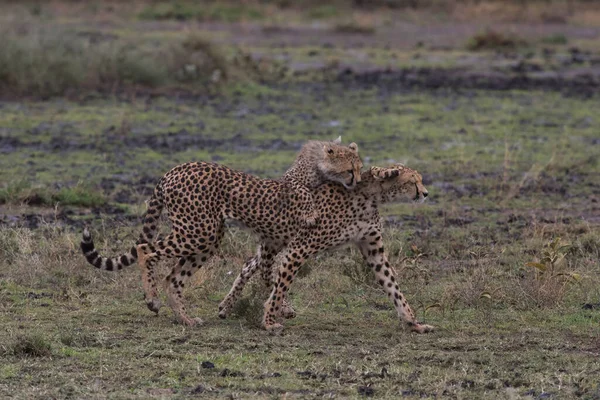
425	194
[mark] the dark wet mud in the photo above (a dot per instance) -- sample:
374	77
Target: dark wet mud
585	82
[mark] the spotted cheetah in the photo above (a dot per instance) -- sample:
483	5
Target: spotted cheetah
346	217
199	196
320	162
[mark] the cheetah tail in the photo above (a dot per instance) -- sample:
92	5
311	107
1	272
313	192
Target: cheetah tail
105	263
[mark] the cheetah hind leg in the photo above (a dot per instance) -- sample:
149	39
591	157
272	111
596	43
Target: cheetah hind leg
287	311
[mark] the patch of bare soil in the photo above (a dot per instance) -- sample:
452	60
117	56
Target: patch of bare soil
583	82
401	35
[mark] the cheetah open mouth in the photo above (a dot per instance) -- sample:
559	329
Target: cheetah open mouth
420	196
352	183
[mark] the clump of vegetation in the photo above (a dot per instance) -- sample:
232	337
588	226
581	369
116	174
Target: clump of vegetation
13	193
22	192
48	63
251	307
492	40
187	10
551	279
323	11
556	39
78	196
350	27
31	346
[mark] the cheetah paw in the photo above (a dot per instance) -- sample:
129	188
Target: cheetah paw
191	322
274	329
153	305
223	312
288	312
422	328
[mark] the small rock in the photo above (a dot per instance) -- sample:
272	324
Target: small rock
198	389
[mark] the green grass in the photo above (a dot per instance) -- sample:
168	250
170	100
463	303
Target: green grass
21	192
48	62
556	39
493	40
187	10
71	329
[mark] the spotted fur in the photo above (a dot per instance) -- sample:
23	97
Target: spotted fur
347	217
319	162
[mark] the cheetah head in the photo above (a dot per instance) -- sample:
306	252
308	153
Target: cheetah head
398	181
342	163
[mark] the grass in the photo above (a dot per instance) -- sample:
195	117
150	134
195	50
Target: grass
187	10
509	173
66	319
492	40
354	27
501	190
21	192
556	39
55	62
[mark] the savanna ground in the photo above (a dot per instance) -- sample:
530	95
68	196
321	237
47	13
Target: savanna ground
500	116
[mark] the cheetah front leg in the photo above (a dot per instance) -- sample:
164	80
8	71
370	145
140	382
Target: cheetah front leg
263	261
372	251
269	278
232	297
310	212
290	262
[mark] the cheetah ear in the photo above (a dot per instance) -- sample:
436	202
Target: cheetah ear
353	146
338	140
381	174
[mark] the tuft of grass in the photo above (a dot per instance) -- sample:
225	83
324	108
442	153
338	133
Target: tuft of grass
555	39
323	11
78	196
251	306
14	192
31	346
354	27
187	10
493	40
551	279
22	192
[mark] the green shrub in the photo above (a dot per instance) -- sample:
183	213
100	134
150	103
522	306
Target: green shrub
491	40
557	38
31	346
184	11
78	196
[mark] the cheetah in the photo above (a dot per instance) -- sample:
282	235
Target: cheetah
346	217
318	163
200	196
